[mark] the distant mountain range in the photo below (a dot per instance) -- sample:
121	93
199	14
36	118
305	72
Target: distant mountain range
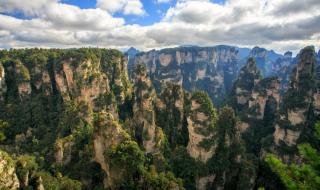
212	69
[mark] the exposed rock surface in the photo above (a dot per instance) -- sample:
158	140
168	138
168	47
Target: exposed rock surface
8	177
248	78
202	182
299	106
170	112
211	69
3	87
107	134
148	134
63	150
201	127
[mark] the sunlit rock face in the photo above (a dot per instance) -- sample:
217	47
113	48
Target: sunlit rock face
8	177
212	69
107	134
148	134
300	106
3	87
201	130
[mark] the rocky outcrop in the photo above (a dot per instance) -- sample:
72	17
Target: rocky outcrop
299	106
107	134
3	87
63	150
8	177
18	75
84	82
265	93
170	112
230	150
203	182
148	134
266	61
201	127
252	94
248	78
211	69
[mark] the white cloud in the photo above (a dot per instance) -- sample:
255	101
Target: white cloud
29	8
128	7
280	25
163	1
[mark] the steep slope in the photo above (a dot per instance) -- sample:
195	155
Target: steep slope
71	119
299	111
146	132
211	69
67	107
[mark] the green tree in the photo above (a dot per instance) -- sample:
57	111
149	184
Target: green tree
3	126
305	176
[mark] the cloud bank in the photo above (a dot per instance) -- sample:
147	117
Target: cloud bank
280	25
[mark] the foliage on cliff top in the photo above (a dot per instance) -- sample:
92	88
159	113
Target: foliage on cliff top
130	159
206	105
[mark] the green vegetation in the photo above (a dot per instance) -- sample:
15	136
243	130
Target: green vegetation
84	123
3	126
206	105
300	176
128	159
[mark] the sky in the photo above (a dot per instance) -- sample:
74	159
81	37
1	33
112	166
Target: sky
286	25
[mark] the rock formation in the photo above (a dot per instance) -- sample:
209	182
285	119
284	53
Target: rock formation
248	78
108	133
210	69
299	106
170	112
201	127
3	87
8	177
148	134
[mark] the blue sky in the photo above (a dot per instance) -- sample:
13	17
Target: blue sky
286	25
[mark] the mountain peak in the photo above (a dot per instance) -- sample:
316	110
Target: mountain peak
132	51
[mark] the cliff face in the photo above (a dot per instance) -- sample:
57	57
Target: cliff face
283	68
267	61
107	134
248	78
50	98
299	109
209	69
3	87
72	117
256	101
201	121
8	177
171	115
146	131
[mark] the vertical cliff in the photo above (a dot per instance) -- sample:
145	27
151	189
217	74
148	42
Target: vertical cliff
297	115
210	69
146	132
201	121
3	87
171	113
8	177
249	76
